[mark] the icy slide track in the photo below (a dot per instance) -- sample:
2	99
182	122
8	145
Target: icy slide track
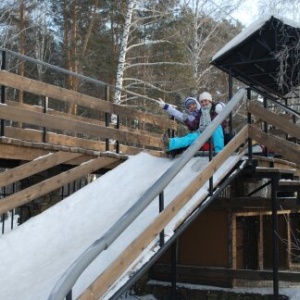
35	255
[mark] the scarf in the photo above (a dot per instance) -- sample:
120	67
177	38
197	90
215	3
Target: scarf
205	119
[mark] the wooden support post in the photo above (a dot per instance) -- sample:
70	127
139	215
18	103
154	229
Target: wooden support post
289	242
261	243
232	253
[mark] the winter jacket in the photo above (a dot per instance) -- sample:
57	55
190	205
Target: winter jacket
193	123
190	119
216	108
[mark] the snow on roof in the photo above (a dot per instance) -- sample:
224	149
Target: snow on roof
259	54
251	29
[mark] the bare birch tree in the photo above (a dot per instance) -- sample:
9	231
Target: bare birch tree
190	33
205	35
123	50
138	16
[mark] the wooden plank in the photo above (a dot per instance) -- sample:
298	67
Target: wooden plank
215	272
51	184
277	163
53	112
253	204
38	165
287	149
289	241
285	182
24	105
116	268
55	138
76	126
70	116
70	141
72	97
271	170
261	243
278	121
17	152
26	153
232	240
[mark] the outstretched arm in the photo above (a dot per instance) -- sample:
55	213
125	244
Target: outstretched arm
172	111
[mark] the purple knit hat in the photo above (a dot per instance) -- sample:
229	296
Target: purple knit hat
188	101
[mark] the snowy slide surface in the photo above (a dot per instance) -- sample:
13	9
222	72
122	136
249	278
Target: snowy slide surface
36	254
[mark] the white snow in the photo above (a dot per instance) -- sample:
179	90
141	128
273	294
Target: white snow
36	254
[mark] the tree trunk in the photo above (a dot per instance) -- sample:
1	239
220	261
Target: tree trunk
22	45
123	50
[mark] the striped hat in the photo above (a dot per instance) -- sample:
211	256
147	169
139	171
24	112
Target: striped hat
188	101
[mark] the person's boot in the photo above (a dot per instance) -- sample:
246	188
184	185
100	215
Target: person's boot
165	140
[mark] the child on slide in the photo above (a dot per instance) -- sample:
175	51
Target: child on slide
197	117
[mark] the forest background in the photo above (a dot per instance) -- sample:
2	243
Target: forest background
154	48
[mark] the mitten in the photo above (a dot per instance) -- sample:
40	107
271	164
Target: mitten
161	102
184	117
218	108
201	128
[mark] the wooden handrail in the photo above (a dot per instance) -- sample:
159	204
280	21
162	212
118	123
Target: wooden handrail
72	97
76	126
130	139
271	118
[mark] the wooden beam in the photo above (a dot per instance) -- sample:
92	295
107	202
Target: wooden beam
38	165
19	152
16	152
232	241
289	241
278	121
76	126
287	149
51	184
273	170
260	241
163	270
252	204
276	162
70	116
289	183
72	97
70	141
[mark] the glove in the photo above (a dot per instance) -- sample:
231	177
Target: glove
201	128
161	102
184	117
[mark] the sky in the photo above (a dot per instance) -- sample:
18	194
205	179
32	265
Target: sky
247	12
39	251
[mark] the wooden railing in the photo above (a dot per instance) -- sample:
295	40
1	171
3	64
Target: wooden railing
285	147
27	125
105	280
111	274
66	129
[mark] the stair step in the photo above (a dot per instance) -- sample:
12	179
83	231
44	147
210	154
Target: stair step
286	182
275	170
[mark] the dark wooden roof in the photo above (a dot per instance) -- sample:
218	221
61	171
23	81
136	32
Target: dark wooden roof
265	56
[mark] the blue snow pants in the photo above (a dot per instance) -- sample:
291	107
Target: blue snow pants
188	139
